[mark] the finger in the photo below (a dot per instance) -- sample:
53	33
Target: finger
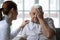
26	20
37	10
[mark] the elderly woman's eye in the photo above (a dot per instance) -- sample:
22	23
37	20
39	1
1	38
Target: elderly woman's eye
33	13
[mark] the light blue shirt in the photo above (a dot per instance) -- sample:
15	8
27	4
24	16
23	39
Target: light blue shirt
5	31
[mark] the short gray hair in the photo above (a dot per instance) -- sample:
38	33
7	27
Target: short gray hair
37	6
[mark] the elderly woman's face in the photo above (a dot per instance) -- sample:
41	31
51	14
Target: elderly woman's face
33	15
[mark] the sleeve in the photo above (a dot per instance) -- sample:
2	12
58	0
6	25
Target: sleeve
24	32
51	23
4	30
14	33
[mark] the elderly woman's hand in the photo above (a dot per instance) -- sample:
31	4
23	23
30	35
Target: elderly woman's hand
39	14
24	23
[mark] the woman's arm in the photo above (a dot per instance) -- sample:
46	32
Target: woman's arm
14	33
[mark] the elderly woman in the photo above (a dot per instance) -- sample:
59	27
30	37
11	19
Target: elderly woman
39	28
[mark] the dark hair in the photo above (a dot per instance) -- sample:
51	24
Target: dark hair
10	5
0	14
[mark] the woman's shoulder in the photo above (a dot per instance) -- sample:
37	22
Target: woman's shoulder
3	21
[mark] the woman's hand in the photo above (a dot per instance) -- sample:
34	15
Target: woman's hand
24	23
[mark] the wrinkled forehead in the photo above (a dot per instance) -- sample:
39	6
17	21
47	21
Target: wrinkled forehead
34	9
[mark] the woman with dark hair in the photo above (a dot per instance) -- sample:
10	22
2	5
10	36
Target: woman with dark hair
9	10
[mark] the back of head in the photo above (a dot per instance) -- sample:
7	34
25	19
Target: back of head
10	5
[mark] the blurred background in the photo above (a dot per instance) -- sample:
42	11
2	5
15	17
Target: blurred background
51	9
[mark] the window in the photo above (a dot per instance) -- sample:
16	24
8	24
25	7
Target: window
54	12
50	7
24	7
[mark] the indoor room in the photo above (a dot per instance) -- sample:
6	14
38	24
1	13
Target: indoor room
51	9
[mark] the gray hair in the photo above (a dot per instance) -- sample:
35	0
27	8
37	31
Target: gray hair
37	6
